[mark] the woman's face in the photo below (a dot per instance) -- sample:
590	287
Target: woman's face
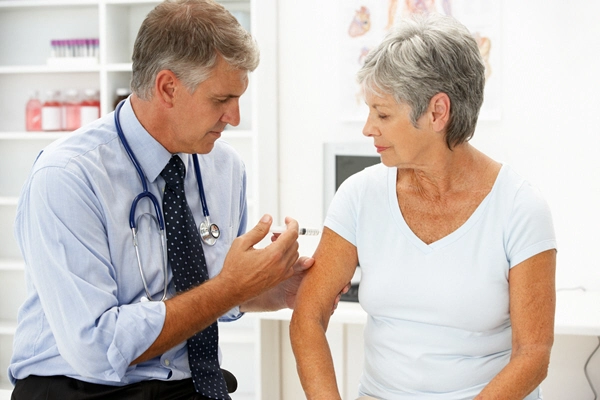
398	142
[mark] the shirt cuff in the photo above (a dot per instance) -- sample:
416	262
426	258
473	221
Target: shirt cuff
232	315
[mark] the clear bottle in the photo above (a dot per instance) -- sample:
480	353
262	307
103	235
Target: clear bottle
71	118
52	111
95	47
33	113
89	109
122	94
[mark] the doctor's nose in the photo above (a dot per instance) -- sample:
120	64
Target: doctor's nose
232	114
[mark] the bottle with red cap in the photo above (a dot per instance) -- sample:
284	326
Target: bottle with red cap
52	111
89	109
33	113
71	115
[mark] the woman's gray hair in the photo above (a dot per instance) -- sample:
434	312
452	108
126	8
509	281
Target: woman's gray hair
426	55
187	37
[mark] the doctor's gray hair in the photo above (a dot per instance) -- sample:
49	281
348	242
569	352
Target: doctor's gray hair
187	37
426	55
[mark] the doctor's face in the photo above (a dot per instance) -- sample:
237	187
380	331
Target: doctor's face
203	115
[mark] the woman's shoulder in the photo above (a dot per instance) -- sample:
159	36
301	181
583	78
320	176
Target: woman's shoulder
516	189
366	185
511	180
372	174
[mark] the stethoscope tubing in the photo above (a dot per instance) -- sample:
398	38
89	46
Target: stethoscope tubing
208	232
200	186
138	168
145	191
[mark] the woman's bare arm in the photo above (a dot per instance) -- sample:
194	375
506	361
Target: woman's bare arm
532	305
335	262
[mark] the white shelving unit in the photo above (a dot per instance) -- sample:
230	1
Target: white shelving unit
26	28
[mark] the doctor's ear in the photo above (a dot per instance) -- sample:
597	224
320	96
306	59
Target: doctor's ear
439	109
165	85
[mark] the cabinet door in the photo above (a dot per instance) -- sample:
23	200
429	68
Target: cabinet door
26	29
26	32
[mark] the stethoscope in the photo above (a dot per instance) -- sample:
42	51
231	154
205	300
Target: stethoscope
209	232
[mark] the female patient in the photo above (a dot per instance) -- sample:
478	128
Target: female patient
457	251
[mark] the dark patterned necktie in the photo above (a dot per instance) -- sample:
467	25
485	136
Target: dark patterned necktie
186	257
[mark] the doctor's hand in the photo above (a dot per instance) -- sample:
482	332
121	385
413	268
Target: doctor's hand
287	289
250	272
282	295
344	290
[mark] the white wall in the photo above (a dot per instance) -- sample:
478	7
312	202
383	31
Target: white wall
548	132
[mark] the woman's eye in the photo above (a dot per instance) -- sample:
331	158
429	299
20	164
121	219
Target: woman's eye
382	116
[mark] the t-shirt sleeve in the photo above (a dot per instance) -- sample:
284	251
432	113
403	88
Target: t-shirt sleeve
343	210
530	227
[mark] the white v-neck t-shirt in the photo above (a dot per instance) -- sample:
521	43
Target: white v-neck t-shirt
438	315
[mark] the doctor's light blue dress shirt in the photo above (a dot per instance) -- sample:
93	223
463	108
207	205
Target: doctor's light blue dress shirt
85	315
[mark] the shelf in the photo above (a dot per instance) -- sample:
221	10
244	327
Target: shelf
48	69
132	1
8	200
45	3
8	327
119	67
32	135
11	265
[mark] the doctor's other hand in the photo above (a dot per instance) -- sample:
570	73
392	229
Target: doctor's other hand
255	271
339	296
289	287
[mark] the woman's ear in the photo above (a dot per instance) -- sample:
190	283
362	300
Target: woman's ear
439	108
165	85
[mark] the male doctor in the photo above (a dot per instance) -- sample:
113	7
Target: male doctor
89	328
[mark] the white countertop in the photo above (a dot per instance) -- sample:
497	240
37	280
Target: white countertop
346	313
577	313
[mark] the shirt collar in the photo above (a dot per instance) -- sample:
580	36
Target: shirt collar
150	154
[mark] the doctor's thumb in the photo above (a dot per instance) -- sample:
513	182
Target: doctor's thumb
260	230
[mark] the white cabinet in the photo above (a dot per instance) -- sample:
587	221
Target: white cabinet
26	29
17	153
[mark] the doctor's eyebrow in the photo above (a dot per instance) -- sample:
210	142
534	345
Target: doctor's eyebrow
227	96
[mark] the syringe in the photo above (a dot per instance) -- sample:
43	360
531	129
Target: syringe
301	231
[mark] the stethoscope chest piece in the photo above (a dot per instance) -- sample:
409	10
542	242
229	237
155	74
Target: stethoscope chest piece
209	232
